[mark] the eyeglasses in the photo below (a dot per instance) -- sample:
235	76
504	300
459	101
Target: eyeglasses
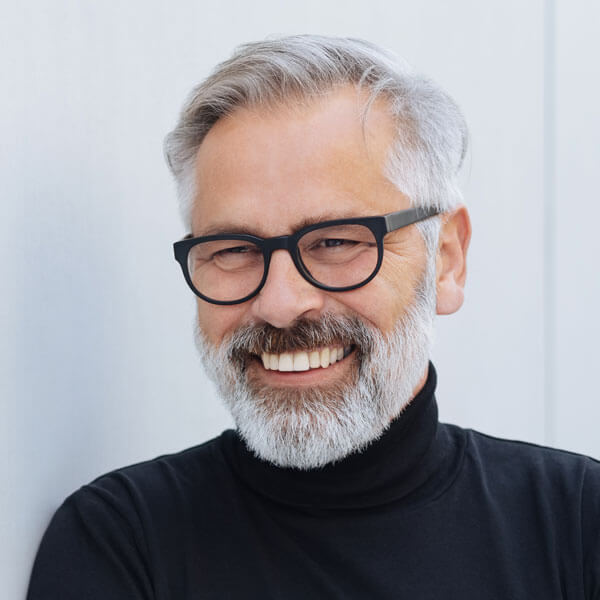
336	256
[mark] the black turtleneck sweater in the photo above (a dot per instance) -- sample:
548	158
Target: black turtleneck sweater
428	512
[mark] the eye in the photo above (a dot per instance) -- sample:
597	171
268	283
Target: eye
335	242
330	243
235	250
236	256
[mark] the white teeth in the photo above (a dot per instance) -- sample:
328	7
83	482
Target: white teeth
265	360
286	362
302	360
332	355
325	357
314	359
274	362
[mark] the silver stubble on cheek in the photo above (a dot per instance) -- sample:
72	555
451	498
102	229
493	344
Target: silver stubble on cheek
308	428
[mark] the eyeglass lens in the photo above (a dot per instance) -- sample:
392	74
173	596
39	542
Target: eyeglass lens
338	256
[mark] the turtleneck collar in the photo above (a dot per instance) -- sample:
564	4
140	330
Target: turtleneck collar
403	463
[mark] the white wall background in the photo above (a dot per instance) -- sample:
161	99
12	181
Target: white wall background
97	362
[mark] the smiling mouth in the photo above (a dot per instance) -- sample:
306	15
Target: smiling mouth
305	360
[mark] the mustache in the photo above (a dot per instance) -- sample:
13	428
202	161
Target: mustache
304	334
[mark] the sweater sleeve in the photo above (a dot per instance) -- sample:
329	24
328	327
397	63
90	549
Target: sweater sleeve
591	530
93	549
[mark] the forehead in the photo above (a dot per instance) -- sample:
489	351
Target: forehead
266	171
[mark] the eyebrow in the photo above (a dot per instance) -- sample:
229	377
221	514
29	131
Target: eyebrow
224	229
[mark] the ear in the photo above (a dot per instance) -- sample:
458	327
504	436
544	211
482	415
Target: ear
451	261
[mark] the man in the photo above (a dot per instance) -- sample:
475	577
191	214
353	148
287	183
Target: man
318	179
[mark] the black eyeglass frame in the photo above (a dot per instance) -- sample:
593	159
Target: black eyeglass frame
379	226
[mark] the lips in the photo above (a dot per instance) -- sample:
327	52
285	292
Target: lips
305	360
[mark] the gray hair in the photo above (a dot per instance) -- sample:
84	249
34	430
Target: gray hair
431	134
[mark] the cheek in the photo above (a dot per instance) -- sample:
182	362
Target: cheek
385	299
378	303
217	321
401	284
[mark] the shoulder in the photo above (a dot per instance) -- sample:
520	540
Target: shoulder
528	456
189	462
152	495
548	499
545	485
516	466
165	479
121	535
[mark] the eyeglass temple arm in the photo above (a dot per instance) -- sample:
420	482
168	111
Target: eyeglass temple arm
407	217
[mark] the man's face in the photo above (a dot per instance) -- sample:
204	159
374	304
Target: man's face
270	172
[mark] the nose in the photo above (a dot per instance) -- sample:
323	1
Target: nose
286	295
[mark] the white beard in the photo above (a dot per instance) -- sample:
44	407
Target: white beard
309	428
